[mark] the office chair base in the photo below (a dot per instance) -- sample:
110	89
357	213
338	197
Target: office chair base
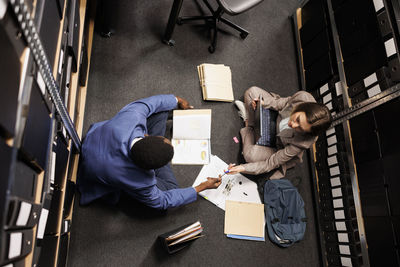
211	49
169	42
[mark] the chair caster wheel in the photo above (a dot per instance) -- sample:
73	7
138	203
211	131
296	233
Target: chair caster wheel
179	21
243	35
211	49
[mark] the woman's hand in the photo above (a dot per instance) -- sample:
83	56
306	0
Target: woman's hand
254	103
235	169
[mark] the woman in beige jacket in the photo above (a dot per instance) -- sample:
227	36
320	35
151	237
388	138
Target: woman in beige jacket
300	120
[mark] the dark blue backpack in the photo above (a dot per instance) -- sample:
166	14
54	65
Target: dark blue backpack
285	215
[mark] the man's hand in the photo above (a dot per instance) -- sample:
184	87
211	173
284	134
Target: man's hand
183	104
211	183
235	169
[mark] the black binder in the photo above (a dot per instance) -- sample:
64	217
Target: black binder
73	32
22	214
175	248
24	182
16	244
9	77
48	26
316	48
37	129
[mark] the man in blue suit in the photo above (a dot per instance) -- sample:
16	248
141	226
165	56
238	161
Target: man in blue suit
128	153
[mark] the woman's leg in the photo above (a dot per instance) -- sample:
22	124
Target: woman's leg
251	151
252	93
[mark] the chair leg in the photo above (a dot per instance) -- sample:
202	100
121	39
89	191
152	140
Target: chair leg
213	45
182	20
243	32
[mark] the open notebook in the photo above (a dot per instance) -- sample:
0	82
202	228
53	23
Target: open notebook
216	82
191	136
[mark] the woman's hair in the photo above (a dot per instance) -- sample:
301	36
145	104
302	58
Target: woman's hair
318	115
151	152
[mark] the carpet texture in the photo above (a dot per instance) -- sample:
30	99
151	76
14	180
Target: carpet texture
133	64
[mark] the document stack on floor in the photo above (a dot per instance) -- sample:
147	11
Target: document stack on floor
189	233
216	82
177	239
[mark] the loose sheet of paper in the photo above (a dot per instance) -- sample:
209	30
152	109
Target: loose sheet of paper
233	187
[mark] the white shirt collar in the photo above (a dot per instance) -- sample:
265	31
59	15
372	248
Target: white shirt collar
135	140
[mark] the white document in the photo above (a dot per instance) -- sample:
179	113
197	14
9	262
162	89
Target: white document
234	187
191	136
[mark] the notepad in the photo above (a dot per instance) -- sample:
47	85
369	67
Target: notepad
191	136
244	220
216	82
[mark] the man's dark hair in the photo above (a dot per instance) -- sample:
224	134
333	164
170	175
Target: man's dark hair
151	152
318	115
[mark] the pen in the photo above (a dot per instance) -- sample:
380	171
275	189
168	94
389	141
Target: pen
225	172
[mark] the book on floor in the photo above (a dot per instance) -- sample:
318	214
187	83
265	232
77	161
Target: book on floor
191	136
216	82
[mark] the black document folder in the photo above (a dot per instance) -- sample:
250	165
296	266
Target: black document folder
365	62
16	244
22	214
320	72
48	25
312	9
9	77
73	32
174	248
352	15
316	48
25	182
37	129
61	153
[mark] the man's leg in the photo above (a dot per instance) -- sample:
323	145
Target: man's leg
156	123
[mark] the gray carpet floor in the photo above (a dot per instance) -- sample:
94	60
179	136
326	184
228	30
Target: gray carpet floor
133	64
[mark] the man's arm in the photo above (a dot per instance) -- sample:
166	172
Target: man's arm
274	161
162	200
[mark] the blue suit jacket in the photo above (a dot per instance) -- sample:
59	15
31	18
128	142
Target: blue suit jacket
106	168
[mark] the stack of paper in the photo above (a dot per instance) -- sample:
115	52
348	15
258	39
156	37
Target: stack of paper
191	136
216	82
189	233
244	220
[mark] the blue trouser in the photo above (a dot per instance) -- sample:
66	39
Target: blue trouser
156	125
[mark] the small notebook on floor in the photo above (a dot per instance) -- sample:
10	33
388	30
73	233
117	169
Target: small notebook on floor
216	82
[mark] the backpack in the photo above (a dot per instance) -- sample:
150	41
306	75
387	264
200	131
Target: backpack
285	215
